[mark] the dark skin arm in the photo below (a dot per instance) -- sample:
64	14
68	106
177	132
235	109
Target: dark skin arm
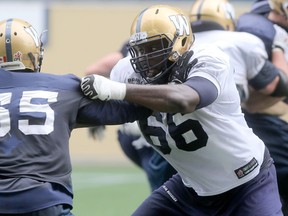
164	98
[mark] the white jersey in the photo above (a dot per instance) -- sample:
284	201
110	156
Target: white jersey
247	52
212	148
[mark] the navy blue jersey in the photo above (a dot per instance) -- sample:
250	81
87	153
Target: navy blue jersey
37	114
259	26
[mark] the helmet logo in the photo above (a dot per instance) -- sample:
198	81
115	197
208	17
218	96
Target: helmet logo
32	32
181	24
229	10
138	36
17	56
3	59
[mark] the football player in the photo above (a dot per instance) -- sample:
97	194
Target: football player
197	124
214	22
38	113
268	21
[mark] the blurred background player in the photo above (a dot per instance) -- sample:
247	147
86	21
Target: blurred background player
214	22
197	123
247	52
268	21
248	56
38	113
129	136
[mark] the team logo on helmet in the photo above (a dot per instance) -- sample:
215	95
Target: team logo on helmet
138	36
181	24
32	32
17	56
3	59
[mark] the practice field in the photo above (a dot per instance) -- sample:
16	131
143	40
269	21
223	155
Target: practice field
107	190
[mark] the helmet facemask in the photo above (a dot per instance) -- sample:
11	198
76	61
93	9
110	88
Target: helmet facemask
160	34
150	57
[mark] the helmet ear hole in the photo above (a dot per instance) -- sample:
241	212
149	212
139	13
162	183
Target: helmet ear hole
184	41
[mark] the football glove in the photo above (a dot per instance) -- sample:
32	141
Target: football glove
182	67
99	87
130	128
140	143
97	132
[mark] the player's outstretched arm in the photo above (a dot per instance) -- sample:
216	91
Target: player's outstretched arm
175	98
178	98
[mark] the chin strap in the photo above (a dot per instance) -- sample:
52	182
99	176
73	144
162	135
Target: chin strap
37	68
41	51
32	58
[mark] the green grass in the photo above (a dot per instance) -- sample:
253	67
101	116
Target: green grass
108	191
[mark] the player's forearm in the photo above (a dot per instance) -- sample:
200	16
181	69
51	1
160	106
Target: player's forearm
176	98
163	98
257	102
279	60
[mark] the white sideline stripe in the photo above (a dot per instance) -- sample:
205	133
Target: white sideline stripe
86	180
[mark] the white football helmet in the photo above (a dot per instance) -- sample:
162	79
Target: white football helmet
20	46
160	34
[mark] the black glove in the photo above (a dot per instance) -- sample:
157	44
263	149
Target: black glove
182	67
97	132
87	87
